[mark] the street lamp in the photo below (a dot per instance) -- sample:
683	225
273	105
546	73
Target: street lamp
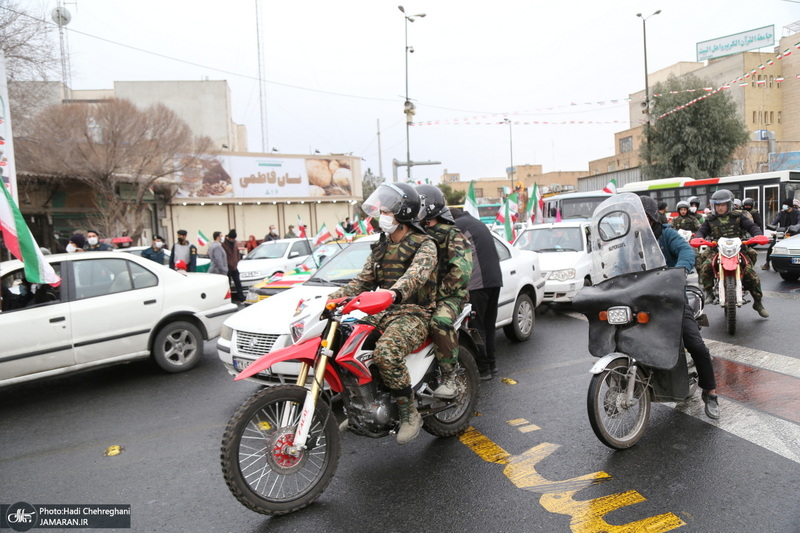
511	150
408	107
646	85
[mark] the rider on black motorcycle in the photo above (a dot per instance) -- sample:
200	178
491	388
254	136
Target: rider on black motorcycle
724	222
403	261
678	253
454	270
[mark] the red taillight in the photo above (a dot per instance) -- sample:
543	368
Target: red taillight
228	296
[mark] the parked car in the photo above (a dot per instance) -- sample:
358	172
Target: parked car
281	281
785	258
263	327
109	308
202	262
271	257
563	249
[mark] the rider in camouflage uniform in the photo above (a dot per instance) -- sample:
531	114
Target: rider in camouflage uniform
453	273
403	261
685	220
725	222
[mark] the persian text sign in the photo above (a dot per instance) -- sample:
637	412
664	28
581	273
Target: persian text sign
734	44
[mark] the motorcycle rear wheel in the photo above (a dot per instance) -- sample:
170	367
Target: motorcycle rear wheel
730	305
256	467
616	425
456	419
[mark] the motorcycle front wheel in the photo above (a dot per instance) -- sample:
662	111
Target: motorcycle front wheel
617	423
730	304
456	419
256	461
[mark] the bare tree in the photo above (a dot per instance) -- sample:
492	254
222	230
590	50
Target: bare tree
111	146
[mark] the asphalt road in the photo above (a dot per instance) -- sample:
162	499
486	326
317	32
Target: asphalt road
531	462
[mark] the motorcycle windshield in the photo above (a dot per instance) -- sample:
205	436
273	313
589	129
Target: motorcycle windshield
623	240
633	274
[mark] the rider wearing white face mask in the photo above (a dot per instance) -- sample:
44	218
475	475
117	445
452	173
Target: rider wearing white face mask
403	261
156	250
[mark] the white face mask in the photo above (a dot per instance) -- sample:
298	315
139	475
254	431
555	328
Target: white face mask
693	209
785	207
159	244
92	241
387	223
71	248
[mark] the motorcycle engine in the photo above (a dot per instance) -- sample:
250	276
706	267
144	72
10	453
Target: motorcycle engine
370	408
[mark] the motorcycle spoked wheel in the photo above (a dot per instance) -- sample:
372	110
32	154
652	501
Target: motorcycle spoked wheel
730	305
255	465
456	419
616	425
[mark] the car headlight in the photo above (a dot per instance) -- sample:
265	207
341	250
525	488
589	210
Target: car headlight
226	333
297	329
780	250
563	275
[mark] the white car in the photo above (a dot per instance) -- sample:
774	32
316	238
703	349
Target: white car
564	255
271	257
203	263
109	308
264	326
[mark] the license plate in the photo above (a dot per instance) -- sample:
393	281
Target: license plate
796	260
240	364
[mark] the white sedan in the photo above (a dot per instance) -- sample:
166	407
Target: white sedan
109	308
269	258
264	326
564	253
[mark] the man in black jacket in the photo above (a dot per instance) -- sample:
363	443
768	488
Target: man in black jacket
484	286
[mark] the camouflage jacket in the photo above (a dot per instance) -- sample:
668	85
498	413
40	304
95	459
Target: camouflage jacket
455	262
733	224
688	222
408	267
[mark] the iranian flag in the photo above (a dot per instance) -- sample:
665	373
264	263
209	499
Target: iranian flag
301	228
508	224
471	203
339	230
202	240
21	244
535	204
363	226
368	225
611	187
322	236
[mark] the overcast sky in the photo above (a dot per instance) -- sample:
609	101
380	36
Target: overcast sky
334	69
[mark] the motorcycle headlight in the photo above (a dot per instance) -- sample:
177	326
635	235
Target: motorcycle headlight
226	333
297	329
563	275
619	315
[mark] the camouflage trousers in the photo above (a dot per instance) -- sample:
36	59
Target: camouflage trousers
750	279
443	334
402	334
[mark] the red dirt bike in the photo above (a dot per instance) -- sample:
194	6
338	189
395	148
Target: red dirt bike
729	263
281	447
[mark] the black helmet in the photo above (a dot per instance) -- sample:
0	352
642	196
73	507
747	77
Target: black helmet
433	204
722	196
748	203
682	203
650	207
694	200
400	199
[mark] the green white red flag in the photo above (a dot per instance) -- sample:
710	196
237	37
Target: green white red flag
202	240
322	235
611	187
535	204
508	222
471	202
20	242
301	228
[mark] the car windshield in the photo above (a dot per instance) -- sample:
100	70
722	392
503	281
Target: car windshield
579	207
344	266
268	250
550	240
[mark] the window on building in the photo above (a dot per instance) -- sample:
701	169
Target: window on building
626	145
500	192
754	117
770	81
779	117
772	117
478	193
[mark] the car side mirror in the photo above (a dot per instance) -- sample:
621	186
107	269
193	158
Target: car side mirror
293	254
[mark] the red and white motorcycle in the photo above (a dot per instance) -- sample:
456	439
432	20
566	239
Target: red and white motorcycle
281	447
729	263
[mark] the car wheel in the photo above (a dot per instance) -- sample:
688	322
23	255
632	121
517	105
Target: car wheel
522	320
178	347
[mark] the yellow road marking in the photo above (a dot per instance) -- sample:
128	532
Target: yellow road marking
111	451
586	516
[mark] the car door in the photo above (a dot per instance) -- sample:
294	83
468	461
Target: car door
114	306
37	334
511	276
